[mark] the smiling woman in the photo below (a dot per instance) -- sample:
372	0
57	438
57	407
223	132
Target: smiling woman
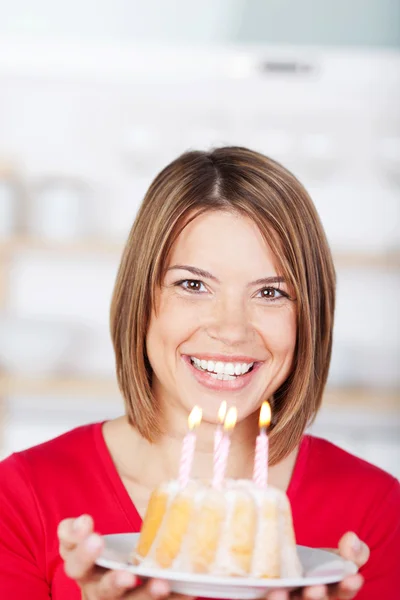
225	292
229	320
245	228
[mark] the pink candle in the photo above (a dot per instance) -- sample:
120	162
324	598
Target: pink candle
260	473
188	447
219	430
222	450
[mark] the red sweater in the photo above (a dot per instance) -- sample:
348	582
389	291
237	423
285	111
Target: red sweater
331	492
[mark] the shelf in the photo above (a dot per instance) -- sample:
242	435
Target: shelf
368	260
91	388
85	246
97	245
102	389
363	399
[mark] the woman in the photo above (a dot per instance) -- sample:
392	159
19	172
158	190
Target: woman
226	290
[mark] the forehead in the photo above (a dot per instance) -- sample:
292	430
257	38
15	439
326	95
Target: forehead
219	237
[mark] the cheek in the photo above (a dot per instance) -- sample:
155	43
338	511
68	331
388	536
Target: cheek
279	330
171	325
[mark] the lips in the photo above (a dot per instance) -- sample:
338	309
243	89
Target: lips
218	377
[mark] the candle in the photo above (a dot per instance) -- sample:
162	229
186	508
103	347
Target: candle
188	446
222	451
260	473
221	419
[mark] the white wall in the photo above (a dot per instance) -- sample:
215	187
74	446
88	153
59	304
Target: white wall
111	117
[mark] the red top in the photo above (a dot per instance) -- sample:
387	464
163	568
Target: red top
331	492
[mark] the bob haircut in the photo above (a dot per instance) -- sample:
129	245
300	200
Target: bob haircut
245	182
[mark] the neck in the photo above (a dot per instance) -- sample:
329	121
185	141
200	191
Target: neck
126	445
241	454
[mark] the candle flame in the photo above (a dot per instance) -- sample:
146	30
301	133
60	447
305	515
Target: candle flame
222	412
265	415
230	419
195	417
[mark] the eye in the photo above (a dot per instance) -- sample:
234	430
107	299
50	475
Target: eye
271	293
192	285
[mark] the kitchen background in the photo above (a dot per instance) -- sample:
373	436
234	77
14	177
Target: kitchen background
95	97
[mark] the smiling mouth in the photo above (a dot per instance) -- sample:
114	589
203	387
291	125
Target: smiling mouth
223	371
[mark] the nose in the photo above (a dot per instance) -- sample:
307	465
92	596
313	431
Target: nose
229	322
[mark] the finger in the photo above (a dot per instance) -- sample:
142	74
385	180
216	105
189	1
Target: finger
348	588
278	595
71	531
115	584
315	592
157	589
352	548
80	562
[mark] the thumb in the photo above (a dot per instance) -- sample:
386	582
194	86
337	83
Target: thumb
352	548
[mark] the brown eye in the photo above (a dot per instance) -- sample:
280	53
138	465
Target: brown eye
268	293
271	293
193	285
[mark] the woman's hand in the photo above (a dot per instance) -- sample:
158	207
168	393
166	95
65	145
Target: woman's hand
80	547
350	548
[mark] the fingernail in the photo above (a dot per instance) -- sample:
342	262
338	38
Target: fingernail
159	588
356	544
354	583
80	523
316	593
277	595
94	542
126	579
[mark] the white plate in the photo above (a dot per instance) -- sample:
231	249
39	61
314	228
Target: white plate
319	567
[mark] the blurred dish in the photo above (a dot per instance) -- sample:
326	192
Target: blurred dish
320	567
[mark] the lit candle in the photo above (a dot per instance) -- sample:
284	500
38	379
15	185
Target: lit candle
188	446
260	474
222	451
221	419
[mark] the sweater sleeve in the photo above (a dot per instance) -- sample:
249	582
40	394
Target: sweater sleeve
382	533
22	540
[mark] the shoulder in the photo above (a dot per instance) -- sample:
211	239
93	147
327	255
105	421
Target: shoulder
335	491
330	462
49	458
36	485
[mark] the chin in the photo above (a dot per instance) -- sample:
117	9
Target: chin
210	406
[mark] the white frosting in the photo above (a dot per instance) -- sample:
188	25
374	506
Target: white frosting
274	538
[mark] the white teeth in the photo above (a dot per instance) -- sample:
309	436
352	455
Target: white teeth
222	377
219	367
228	370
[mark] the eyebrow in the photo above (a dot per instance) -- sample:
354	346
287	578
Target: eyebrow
207	275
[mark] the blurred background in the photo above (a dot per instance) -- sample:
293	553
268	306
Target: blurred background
97	96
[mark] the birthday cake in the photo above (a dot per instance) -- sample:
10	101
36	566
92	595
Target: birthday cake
239	529
225	528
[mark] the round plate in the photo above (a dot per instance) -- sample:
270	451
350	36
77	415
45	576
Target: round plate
319	567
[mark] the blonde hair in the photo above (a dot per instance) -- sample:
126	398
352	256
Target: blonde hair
240	180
